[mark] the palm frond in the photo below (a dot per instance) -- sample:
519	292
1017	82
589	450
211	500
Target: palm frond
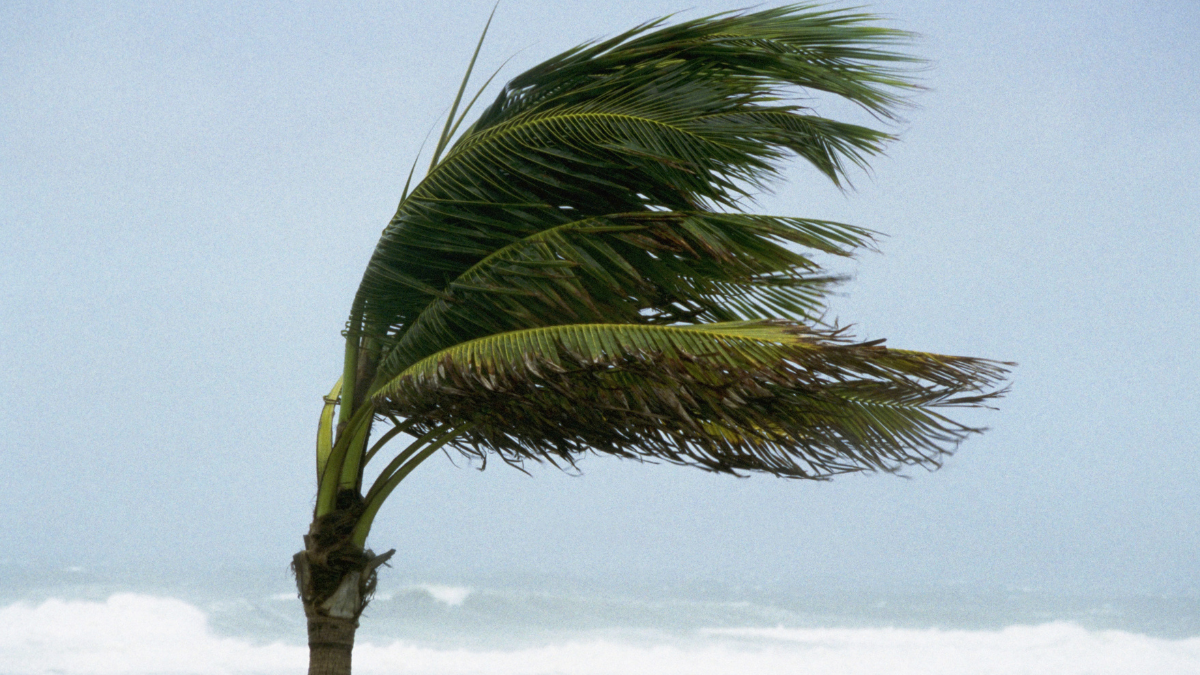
768	396
648	267
685	118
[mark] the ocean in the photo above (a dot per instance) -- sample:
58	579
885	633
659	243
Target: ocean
228	621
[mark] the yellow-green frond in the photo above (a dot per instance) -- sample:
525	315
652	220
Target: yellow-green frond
768	396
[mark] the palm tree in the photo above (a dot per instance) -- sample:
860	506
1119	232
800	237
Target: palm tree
575	274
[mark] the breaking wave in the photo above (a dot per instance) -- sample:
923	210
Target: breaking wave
131	633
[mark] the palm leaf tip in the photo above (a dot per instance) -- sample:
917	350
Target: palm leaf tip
771	397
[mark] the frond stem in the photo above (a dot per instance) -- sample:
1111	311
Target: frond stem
330	478
377	497
325	427
396	430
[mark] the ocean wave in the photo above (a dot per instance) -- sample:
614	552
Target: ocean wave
138	634
453	596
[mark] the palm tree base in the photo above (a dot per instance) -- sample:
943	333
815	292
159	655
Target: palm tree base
334	596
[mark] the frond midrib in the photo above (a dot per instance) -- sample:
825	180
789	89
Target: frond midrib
761	332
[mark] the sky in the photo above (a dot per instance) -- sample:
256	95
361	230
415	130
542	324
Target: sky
189	194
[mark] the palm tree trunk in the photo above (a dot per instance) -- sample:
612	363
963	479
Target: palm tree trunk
332	611
330	644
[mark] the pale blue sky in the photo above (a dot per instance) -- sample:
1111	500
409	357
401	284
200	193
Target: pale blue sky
188	197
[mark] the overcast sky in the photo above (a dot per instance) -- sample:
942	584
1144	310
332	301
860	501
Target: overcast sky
188	196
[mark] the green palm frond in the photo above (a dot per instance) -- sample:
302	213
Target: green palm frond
769	396
686	118
648	267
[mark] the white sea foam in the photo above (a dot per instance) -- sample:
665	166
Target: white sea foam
141	634
128	633
451	595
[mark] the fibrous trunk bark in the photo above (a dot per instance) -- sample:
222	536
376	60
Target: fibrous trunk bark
335	580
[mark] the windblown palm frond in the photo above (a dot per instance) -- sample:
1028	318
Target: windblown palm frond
647	267
681	119
766	396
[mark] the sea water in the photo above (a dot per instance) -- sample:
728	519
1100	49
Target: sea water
229	621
